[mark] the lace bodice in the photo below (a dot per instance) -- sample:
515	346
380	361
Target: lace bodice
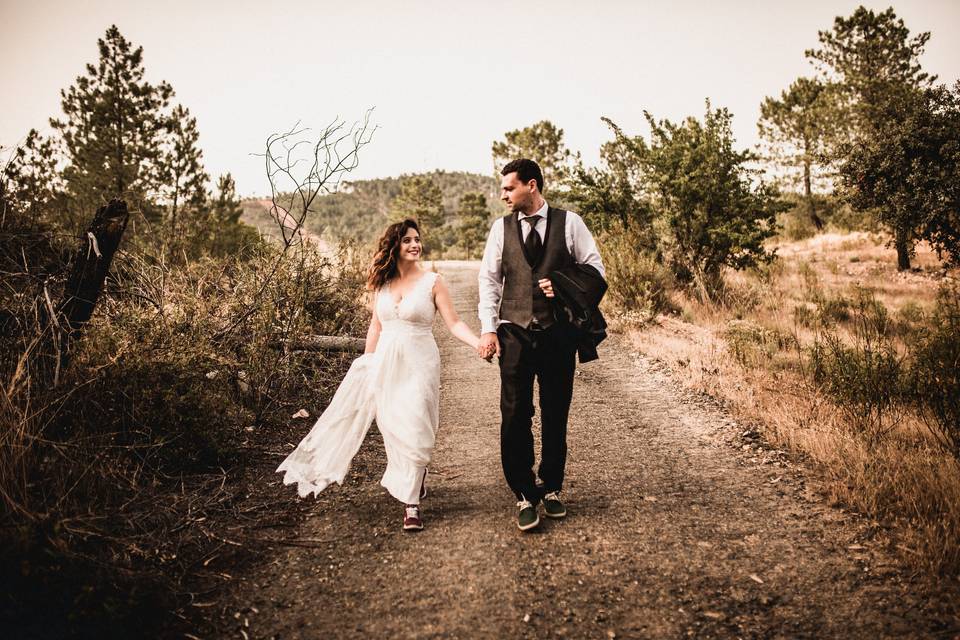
415	308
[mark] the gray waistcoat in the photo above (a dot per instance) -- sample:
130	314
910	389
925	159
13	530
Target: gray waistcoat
522	300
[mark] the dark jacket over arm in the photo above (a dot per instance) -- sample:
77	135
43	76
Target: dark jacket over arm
578	290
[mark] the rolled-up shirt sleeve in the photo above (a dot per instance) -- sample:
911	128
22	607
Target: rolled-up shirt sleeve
582	246
490	279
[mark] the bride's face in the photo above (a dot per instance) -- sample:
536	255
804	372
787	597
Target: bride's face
410	248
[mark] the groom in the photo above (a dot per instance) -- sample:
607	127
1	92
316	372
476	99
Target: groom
518	325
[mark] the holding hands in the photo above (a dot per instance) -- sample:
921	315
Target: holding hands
488	346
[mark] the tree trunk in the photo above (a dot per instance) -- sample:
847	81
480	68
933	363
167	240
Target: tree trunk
89	271
808	192
902	243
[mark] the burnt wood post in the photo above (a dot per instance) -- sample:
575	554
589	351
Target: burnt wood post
88	272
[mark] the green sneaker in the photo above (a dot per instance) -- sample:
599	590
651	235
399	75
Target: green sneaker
552	506
527	518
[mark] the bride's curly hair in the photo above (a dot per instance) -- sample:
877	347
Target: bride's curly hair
384	265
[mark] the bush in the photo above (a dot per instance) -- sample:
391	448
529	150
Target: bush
809	282
743	296
935	371
833	309
174	372
846	219
637	280
795	223
753	345
805	315
867	377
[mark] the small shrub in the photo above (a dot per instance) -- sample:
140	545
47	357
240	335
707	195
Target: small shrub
796	222
741	297
834	309
770	271
844	218
908	322
935	371
752	344
796	225
809	282
805	316
866	378
638	281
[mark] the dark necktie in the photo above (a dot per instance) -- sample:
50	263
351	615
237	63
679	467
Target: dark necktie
533	243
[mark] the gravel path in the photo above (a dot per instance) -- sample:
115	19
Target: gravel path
674	530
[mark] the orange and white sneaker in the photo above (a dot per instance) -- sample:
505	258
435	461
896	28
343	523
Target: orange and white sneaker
411	518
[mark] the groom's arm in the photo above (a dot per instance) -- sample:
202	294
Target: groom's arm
490	279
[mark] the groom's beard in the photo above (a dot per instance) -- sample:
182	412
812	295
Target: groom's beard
525	208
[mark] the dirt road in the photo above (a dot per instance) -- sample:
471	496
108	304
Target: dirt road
674	530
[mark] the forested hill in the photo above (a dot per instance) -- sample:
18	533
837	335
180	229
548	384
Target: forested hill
361	209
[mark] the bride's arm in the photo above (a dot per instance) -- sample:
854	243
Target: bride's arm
373	333
456	326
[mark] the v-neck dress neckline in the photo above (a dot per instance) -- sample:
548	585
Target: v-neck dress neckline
413	287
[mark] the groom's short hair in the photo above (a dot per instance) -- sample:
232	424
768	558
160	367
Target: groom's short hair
526	170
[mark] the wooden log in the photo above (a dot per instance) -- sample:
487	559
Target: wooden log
323	343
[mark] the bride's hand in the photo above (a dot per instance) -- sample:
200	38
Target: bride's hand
488	346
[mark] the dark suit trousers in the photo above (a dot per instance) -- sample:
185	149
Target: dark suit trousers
550	357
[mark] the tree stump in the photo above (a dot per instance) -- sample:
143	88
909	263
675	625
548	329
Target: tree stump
87	274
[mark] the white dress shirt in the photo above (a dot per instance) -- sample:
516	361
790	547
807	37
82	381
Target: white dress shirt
580	243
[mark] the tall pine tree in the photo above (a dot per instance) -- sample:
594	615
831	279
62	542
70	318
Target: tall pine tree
421	199
541	142
876	63
799	128
180	169
112	127
474	223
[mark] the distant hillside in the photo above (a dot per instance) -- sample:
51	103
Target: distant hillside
359	210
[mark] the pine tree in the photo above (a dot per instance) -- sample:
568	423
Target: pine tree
421	199
876	64
112	126
30	183
799	128
181	175
474	223
219	230
541	142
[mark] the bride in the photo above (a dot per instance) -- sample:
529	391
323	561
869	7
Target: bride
396	380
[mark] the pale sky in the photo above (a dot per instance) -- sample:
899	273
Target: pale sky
446	78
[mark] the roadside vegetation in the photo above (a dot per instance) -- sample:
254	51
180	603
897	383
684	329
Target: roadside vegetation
811	285
132	444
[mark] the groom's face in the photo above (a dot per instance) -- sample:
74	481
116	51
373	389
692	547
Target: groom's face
517	195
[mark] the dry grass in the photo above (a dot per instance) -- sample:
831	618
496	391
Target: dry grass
751	354
126	491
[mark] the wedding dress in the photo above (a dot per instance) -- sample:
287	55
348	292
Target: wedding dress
399	385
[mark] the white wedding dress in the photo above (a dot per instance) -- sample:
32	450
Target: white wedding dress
399	384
